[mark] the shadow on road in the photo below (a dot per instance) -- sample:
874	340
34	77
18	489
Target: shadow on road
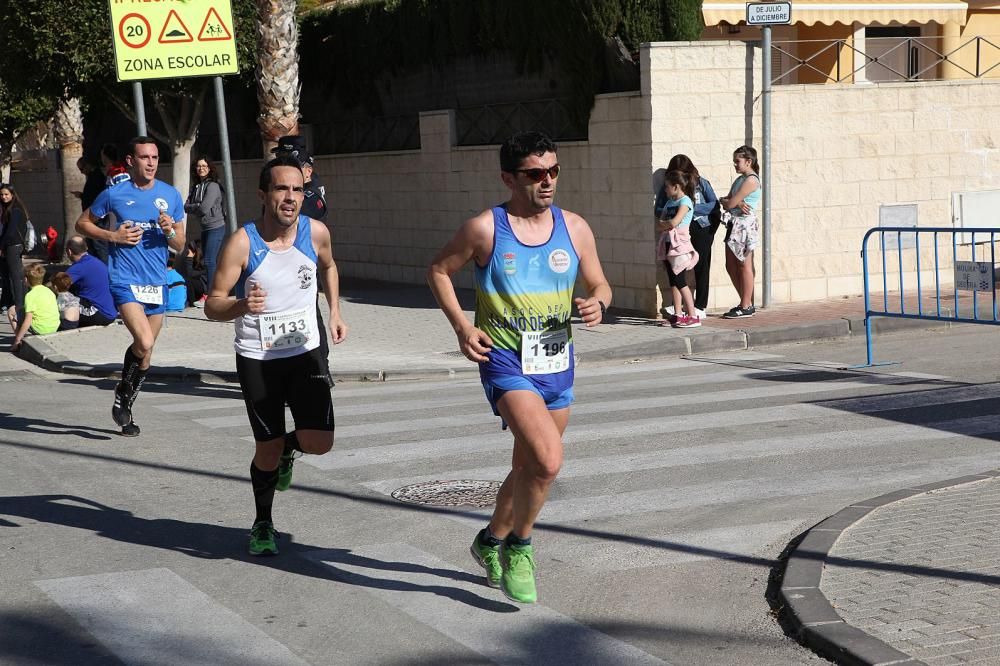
217	542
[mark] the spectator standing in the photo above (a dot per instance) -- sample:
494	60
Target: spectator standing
93	185
675	247
743	236
13	228
91	283
313	206
707	218
115	168
68	302
41	311
204	203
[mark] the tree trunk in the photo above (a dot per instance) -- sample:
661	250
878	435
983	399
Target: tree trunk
277	71
182	164
181	116
5	159
67	126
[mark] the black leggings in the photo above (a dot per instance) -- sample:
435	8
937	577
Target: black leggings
13	279
702	239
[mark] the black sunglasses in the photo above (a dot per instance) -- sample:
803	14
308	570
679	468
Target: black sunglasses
538	175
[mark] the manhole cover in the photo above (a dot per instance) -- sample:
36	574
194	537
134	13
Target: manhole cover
450	493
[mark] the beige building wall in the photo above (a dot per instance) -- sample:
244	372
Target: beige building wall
838	153
391	212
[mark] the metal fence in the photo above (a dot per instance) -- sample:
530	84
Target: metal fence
491	124
932	273
367	135
884	59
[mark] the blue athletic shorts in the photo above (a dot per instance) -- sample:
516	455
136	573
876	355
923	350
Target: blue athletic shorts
122	293
497	385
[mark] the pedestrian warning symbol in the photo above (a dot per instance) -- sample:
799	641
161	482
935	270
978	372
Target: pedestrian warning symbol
174	30
154	41
214	28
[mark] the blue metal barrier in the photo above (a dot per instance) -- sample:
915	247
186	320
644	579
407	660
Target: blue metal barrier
969	274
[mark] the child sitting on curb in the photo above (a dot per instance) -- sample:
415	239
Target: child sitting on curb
41	312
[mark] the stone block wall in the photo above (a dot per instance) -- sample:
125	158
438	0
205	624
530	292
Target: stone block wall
839	151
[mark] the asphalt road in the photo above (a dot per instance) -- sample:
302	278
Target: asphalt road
684	480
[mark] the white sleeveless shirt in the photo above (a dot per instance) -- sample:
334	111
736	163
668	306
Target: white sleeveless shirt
288	325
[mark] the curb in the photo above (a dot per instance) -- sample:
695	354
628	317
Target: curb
35	350
816	622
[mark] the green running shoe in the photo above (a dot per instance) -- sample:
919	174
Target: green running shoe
285	470
263	538
518	579
488	558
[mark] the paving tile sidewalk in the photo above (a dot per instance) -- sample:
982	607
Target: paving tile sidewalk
397	331
912	577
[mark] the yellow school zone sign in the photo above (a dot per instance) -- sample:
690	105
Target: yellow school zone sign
171	39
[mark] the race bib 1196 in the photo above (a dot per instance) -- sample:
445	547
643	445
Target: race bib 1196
546	352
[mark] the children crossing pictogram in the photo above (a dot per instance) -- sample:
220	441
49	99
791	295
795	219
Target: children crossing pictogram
214	28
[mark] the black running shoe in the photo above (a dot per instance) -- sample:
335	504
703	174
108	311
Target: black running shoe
121	411
130	430
740	313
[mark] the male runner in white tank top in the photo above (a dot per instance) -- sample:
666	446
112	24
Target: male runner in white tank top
274	264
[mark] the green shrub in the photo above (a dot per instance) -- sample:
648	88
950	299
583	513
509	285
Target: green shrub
350	46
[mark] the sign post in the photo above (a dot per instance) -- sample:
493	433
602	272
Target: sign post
766	14
159	40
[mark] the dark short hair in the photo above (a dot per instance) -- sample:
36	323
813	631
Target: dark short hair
110	151
520	145
281	160
139	141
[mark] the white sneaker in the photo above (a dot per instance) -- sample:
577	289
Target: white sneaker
669	310
700	314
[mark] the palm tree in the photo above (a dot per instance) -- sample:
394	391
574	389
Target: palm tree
277	70
67	127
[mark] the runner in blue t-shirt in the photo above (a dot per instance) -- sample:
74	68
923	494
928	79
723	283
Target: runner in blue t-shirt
150	217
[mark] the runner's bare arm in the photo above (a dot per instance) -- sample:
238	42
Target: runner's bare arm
219	305
125	234
330	279
473	241
591	272
168	225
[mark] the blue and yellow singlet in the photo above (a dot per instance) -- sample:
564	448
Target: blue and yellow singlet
526	289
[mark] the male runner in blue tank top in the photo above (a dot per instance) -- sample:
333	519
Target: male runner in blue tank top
274	264
527	254
150	218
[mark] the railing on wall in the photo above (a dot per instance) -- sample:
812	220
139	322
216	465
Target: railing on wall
367	135
493	123
884	59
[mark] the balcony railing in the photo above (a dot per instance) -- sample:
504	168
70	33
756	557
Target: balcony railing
884	59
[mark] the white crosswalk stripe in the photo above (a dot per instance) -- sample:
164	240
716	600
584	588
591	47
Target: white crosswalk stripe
533	634
632	420
156	617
